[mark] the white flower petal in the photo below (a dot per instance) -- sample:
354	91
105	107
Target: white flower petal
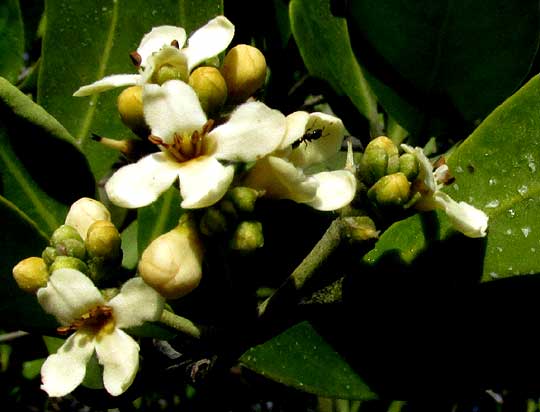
469	220
425	174
135	304
159	37
327	133
107	83
296	127
141	183
253	131
335	190
281	180
172	108
168	55
68	295
64	371
119	355
209	40
203	181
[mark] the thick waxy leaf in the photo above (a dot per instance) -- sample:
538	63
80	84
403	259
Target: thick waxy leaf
20	238
42	171
11	40
87	40
497	169
158	218
301	358
436	61
324	43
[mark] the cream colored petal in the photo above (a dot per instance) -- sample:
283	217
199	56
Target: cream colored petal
335	190
84	212
209	40
64	371
135	304
119	355
68	295
203	181
253	131
470	221
141	183
296	127
168	55
425	173
159	37
107	83
172	108
322	139
281	180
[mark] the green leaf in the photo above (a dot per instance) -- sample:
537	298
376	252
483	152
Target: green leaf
497	169
130	255
41	170
20	238
319	34
11	40
445	60
158	218
301	358
87	40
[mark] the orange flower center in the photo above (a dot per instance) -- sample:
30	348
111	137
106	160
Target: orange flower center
94	321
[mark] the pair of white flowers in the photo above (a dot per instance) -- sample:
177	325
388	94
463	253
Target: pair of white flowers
200	157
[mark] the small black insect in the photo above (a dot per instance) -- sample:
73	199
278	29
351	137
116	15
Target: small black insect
310	135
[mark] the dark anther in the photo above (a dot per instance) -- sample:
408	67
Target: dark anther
175	43
136	58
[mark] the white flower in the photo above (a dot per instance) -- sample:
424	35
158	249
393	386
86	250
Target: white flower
464	217
78	305
191	149
156	51
311	139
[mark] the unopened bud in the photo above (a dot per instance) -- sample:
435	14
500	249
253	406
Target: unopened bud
169	72
103	240
243	198
172	263
244	70
360	228
71	247
70	262
213	222
100	268
49	255
390	190
408	165
130	108
31	274
210	87
380	158
63	233
248	236
84	212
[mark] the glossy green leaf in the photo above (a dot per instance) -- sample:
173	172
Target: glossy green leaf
301	358
444	60
11	40
325	47
497	169
87	40
41	170
158	218
130	255
20	238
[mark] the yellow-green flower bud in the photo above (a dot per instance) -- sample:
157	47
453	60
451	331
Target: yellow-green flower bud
213	222
71	247
228	208
64	233
380	158
172	263
248	236
360	228
130	108
69	262
210	87
31	274
408	165
244	70
103	240
243	198
84	212
100	268
390	190
168	72
49	255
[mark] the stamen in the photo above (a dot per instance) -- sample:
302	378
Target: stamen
96	318
175	43
136	58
